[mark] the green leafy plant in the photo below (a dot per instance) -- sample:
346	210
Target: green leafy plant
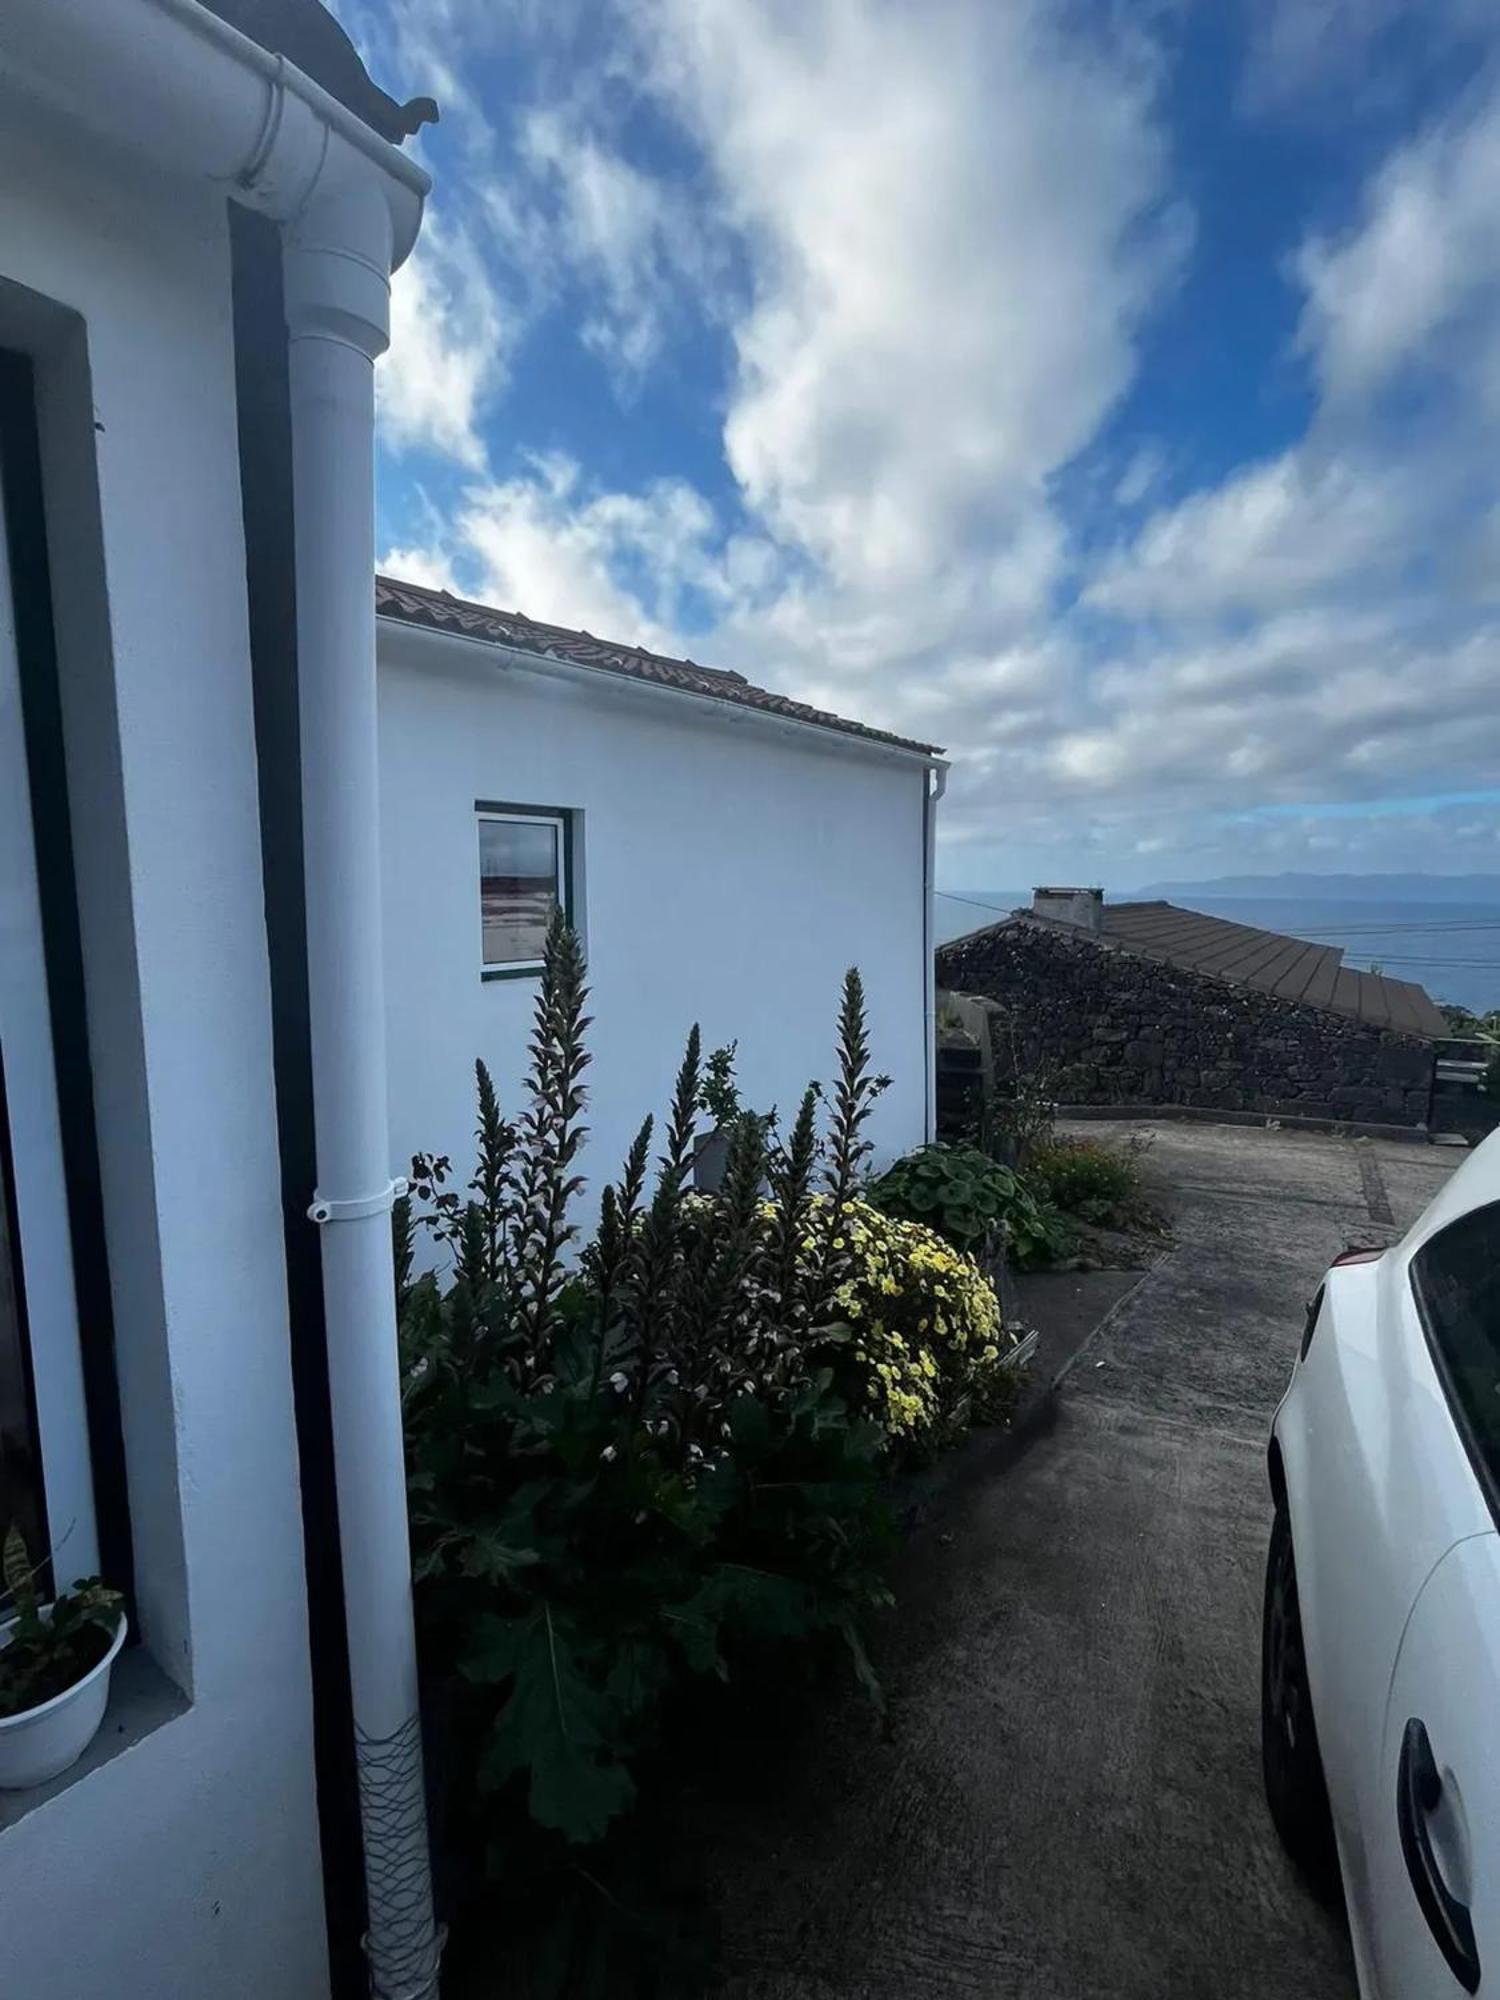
50	1650
974	1203
1465	1025
956	1190
719	1093
647	1471
855	1091
638	1467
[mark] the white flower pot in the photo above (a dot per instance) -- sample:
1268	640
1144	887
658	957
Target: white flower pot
41	1742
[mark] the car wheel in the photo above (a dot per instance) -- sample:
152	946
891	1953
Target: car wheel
1295	1790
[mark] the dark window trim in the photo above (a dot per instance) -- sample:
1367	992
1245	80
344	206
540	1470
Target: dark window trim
531	968
40	1526
265	447
1484	1472
62	954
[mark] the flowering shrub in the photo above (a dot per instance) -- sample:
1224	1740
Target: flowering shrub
654	1456
924	1323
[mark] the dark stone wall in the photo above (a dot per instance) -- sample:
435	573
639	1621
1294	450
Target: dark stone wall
1123	1029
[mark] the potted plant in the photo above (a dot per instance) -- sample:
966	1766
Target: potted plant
55	1662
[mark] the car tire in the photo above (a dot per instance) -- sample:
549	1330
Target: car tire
1293	1766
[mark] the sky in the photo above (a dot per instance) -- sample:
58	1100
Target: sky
1105	390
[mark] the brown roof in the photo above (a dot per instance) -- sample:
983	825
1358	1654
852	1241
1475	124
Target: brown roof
414	604
1291	968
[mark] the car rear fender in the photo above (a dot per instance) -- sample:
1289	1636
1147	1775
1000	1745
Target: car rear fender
1332	1433
1378	1489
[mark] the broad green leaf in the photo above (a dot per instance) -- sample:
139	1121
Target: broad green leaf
486	1554
637	1675
755	1601
558	1726
493	1650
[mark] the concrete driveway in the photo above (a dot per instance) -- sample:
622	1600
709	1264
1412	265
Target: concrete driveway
1067	1801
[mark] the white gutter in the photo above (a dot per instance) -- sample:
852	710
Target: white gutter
165	80
937	785
709	706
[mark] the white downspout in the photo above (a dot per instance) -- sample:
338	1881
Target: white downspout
170	82
934	784
337	293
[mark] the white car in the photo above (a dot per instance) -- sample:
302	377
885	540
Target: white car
1380	1674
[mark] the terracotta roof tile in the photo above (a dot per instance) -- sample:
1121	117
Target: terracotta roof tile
414	604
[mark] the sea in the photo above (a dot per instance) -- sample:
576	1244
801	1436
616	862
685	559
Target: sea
1452	949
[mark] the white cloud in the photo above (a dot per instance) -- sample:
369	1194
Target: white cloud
1268	537
933	239
448	355
948	213
1424	253
628	236
1319	627
1142	474
1296	46
1303	708
947	231
415	563
1352	55
615	564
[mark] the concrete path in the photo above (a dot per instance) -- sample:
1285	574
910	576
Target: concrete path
1067	1803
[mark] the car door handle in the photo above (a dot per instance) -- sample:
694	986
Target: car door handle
1419	1787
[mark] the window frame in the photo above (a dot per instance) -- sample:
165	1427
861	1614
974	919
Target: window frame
63	1297
1486	1475
13	1277
563	818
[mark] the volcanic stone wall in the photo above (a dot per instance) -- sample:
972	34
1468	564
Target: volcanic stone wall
1124	1029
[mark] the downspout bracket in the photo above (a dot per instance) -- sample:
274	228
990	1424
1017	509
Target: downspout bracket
324	1210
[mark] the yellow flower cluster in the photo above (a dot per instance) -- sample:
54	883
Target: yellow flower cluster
923	1316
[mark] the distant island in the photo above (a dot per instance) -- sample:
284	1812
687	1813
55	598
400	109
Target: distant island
1296	888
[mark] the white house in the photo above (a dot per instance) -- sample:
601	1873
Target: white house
211	908
725	854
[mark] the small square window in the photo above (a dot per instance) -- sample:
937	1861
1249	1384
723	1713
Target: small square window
523	880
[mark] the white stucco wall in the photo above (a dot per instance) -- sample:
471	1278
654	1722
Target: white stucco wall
730	872
187	1866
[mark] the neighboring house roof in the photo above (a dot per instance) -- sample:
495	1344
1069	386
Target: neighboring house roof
1290	968
414	604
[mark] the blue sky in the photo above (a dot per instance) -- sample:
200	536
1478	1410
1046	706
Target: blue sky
1106	392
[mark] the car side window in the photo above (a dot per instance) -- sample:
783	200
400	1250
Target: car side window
1456	1277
